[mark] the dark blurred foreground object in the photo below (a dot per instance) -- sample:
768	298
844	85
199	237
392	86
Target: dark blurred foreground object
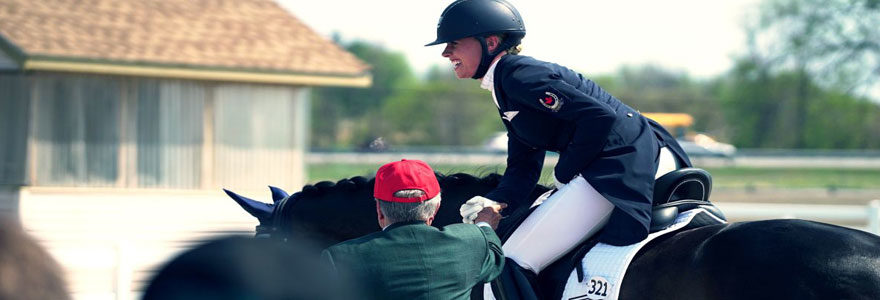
245	268
27	271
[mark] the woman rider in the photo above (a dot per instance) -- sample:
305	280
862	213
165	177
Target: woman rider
609	154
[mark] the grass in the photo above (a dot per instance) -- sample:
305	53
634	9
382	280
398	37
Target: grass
334	172
726	177
734	177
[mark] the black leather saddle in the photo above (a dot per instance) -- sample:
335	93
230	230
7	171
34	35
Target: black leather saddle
679	191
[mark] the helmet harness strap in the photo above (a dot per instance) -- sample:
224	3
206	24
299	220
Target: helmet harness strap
487	57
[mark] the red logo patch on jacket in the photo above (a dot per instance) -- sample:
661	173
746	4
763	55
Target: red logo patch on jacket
551	101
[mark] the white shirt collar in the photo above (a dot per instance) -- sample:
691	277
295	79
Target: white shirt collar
488	82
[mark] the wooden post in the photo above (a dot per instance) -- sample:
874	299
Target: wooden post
207	175
32	131
124	143
302	111
874	216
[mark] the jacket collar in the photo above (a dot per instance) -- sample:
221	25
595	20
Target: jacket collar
404	223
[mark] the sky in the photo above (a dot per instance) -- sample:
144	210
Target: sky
595	37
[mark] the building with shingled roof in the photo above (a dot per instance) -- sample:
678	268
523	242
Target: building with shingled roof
121	120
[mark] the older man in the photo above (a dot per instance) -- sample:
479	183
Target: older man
409	259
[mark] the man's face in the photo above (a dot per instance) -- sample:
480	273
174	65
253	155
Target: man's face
464	55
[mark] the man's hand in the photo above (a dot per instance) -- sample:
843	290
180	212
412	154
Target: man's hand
491	214
470	209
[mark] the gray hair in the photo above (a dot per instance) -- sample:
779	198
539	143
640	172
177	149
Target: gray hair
415	211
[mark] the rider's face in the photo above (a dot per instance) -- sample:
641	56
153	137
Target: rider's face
464	55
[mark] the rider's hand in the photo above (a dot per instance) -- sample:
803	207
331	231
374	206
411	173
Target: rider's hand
491	215
471	209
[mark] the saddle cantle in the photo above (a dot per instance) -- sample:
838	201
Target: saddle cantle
679	191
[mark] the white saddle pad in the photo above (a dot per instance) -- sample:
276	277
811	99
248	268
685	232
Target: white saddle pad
605	265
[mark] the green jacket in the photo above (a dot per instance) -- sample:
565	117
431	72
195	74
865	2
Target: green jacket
411	260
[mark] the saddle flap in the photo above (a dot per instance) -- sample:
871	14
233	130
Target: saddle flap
662	217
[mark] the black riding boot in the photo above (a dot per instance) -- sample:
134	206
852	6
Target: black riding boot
515	283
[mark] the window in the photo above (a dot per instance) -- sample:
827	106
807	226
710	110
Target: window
102	131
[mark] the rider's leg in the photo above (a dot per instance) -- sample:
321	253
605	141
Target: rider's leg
567	218
563	221
560	223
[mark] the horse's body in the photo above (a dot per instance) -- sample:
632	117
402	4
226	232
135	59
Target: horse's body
773	259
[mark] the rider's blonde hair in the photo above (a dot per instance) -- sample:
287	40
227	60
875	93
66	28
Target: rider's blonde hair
514	50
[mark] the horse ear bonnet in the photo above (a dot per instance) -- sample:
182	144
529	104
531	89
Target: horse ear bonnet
277	194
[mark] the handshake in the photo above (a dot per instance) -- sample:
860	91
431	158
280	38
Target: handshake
480	209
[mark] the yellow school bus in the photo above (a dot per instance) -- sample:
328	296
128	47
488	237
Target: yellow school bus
694	143
676	123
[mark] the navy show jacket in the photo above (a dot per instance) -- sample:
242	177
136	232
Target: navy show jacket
547	107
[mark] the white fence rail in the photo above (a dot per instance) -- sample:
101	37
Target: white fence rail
861	217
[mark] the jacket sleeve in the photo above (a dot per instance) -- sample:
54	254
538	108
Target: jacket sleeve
523	171
494	261
541	88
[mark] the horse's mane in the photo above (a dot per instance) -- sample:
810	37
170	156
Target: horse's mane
334	211
346	184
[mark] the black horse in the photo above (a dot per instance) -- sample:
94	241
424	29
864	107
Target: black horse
772	259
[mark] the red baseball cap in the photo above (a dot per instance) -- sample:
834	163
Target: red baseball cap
405	175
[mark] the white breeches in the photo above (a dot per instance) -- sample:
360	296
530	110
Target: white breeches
567	218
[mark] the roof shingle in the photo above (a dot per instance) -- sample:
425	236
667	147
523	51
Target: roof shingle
253	35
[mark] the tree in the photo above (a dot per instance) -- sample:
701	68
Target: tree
653	89
758	105
442	111
834	44
348	117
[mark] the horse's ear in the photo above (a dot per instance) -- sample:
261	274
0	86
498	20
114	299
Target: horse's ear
277	194
261	211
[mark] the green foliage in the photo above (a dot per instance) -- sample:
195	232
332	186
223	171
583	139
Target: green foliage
797	87
762	110
652	89
441	110
748	177
348	117
450	113
834	42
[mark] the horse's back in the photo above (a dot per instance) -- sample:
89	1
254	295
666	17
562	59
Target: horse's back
772	259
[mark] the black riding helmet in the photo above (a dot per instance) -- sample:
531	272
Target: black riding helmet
478	19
